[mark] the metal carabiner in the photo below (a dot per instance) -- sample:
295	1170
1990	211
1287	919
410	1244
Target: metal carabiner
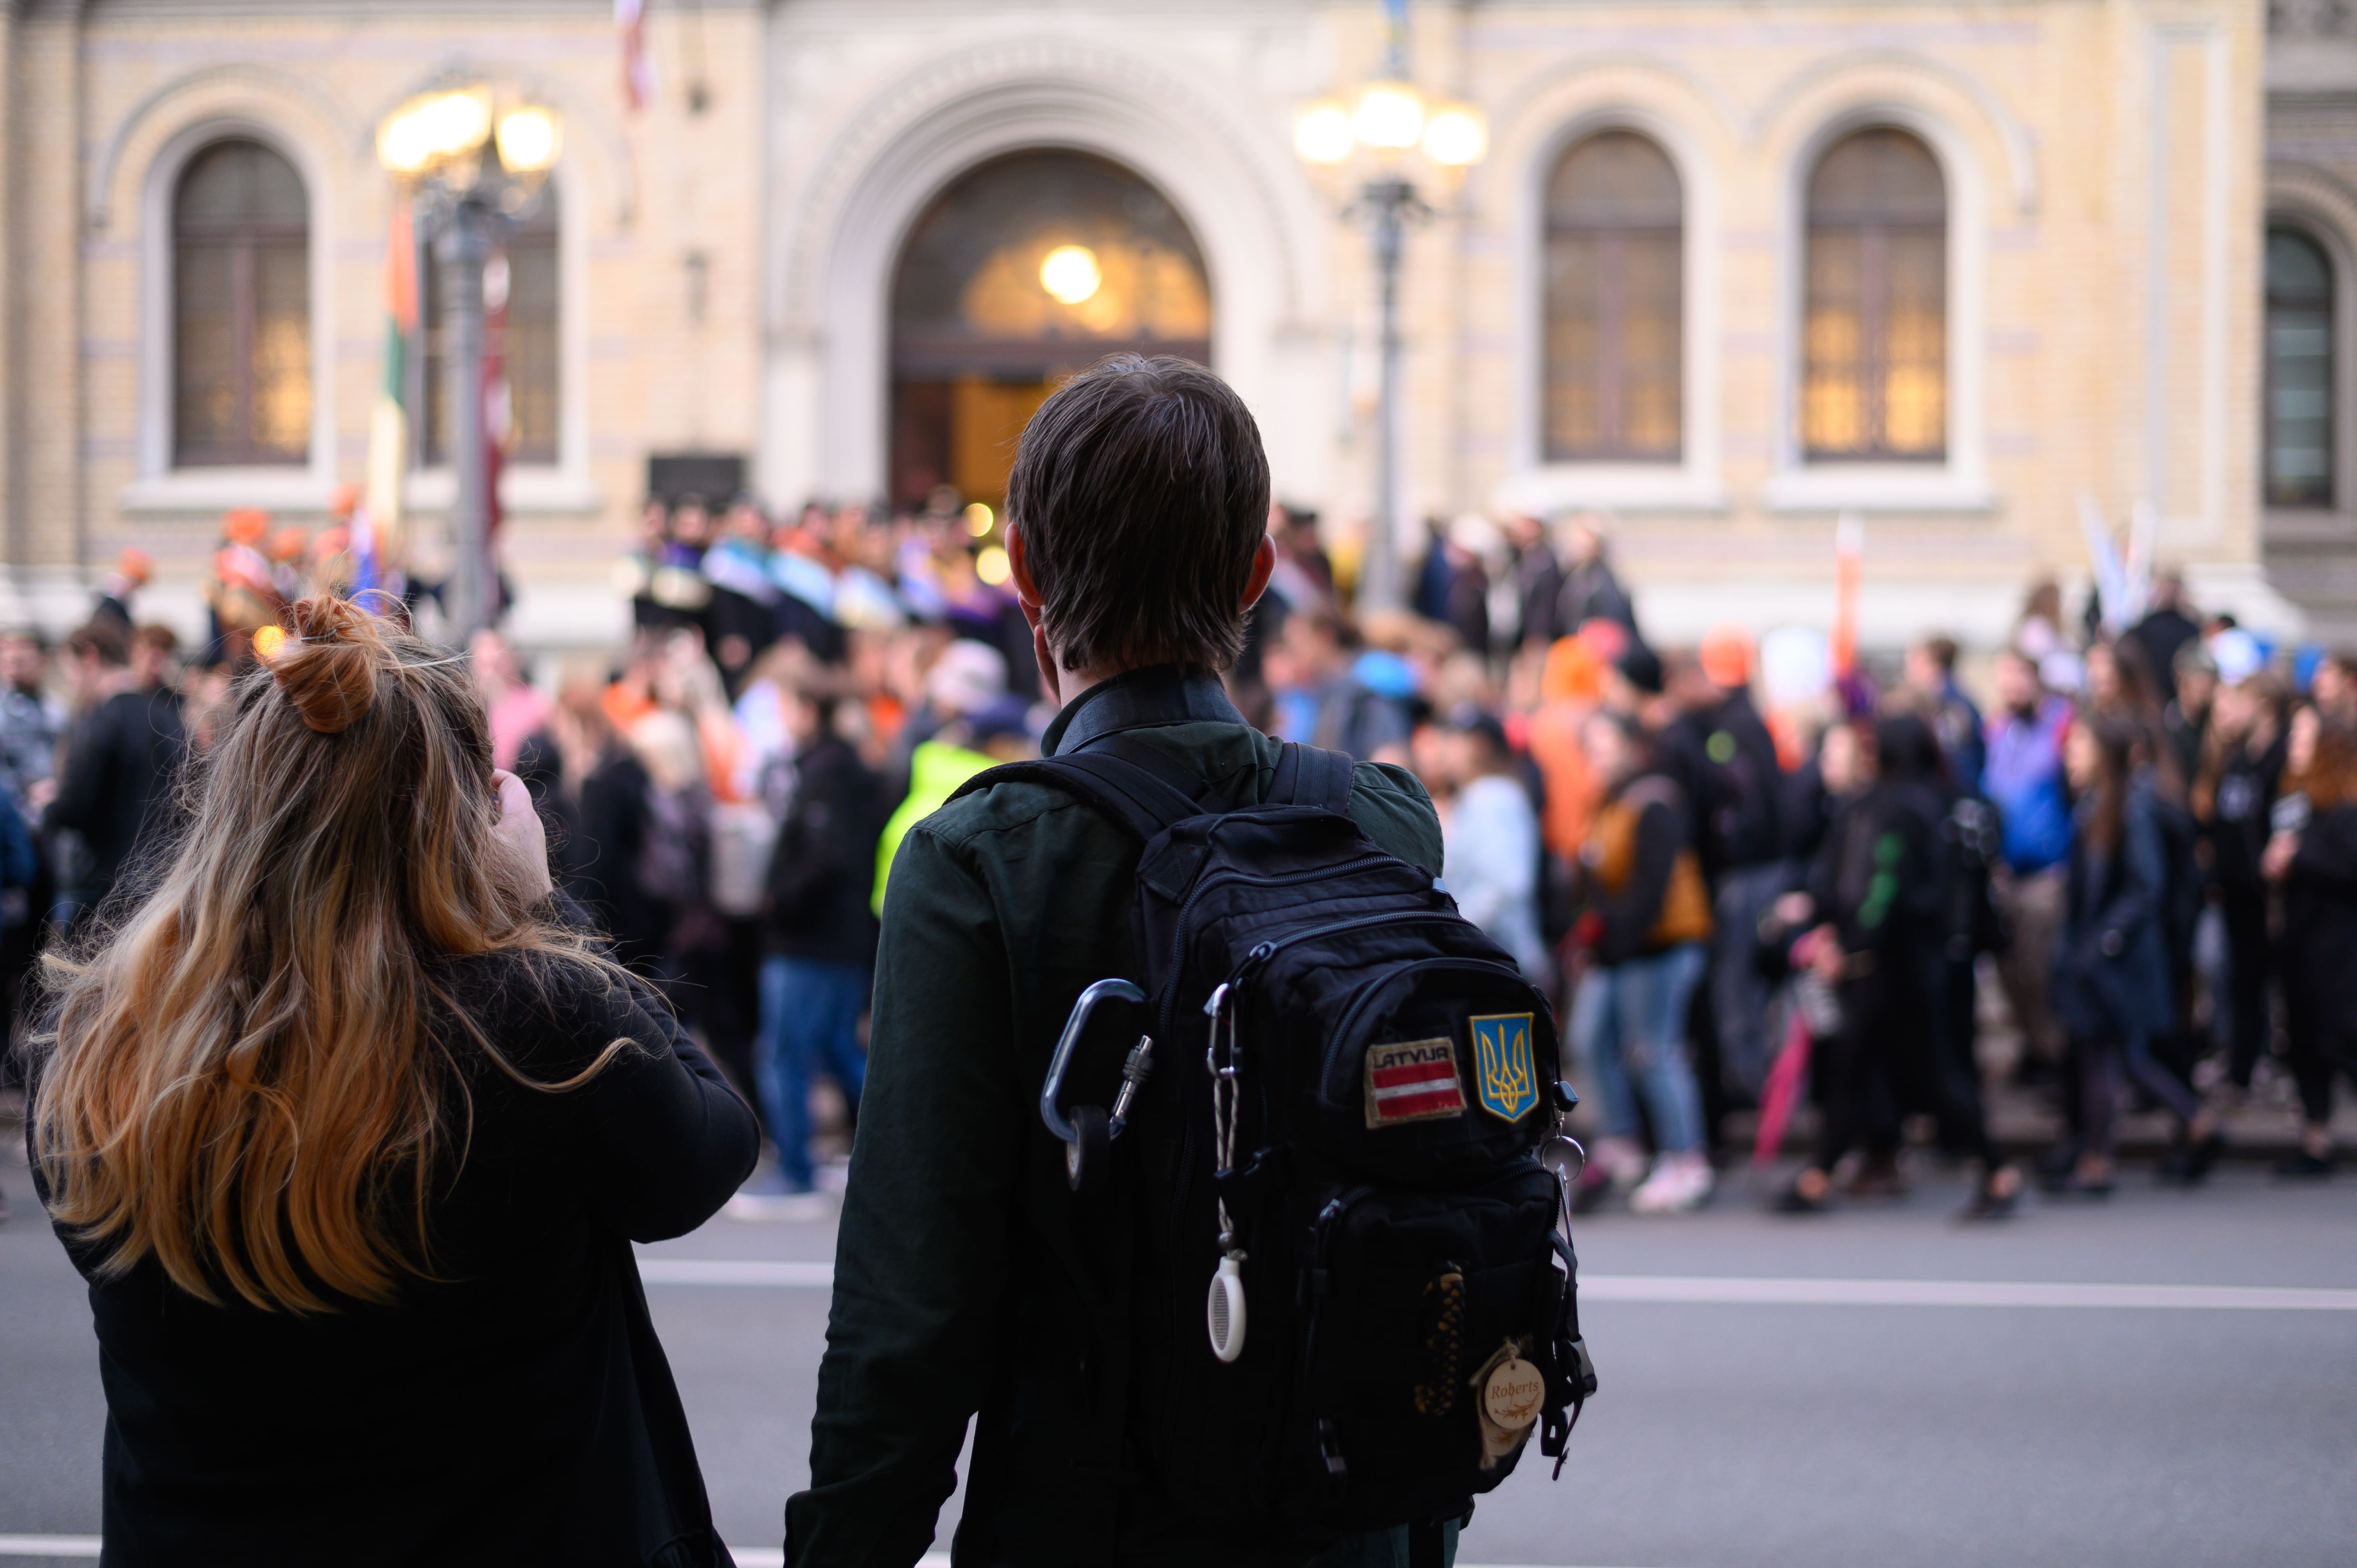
1052	1090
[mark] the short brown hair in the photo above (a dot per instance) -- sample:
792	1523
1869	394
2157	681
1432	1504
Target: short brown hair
101	640
1141	493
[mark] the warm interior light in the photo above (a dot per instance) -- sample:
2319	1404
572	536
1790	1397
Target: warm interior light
1390	115
1455	136
269	642
979	519
1070	273
1322	134
528	140
990	565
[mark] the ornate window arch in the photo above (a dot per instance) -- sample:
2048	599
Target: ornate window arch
241	309
1614	267
1874	348
2301	417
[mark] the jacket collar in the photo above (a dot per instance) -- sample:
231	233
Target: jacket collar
1155	694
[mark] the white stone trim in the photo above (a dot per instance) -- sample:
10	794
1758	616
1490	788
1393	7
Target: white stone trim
837	239
1895	611
161	486
1960	482
525	490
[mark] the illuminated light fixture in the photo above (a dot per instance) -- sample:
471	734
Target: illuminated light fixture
401	146
1390	116
440	127
529	140
458	121
1455	136
269	642
1070	273
1323	134
990	565
979	519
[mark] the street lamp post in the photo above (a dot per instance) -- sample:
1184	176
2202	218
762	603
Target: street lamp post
469	171
1380	133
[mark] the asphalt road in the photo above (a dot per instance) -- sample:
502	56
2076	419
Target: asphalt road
1743	1429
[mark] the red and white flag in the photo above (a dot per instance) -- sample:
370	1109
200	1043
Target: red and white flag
637	69
1412	1081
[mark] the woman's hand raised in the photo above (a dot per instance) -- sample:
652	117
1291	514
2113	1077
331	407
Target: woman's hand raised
521	834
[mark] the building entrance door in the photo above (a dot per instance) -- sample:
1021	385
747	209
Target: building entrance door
1023	271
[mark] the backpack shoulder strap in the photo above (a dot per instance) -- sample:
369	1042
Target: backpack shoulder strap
1143	801
1307	776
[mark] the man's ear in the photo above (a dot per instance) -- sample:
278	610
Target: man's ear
1264	564
1018	566
1026	599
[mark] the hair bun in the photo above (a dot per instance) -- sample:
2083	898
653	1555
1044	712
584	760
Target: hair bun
328	666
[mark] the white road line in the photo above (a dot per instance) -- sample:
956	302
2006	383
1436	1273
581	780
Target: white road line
735	1272
48	1546
1713	1291
87	1546
1722	1292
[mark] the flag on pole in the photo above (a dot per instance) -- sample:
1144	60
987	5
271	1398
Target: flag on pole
2110	575
376	523
2144	532
1850	545
499	401
637	69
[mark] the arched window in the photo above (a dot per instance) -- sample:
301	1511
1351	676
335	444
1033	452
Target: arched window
1615	249
1874	377
2299	412
522	333
1022	270
241	309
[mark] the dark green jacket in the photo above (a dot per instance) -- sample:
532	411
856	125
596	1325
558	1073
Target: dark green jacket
959	1286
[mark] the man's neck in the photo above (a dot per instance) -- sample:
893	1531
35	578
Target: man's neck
1070	683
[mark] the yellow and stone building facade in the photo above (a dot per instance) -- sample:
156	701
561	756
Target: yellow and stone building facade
1727	272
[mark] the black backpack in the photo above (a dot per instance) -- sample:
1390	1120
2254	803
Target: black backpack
1370	1184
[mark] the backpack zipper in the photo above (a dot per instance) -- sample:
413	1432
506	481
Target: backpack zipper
1262	951
1195	893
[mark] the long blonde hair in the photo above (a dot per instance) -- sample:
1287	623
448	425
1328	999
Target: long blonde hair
245	1076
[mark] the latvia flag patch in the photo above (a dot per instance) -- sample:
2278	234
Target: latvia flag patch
1412	1081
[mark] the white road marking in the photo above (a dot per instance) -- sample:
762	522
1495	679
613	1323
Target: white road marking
1713	1290
1727	1292
747	1556
49	1546
735	1272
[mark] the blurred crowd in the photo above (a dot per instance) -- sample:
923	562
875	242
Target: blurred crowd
1757	876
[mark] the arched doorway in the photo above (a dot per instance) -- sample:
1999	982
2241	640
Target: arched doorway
1024	270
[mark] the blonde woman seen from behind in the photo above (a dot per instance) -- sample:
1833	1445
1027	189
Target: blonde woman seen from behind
350	1127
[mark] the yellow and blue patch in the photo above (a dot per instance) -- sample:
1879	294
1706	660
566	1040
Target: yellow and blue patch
1503	1070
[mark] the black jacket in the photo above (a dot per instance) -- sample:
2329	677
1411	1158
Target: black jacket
1626	918
518	1409
2239	820
1738	744
823	871
1881	878
2320	934
602	860
122	761
961	1294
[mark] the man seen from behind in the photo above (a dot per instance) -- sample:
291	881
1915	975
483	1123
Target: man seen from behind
963	1288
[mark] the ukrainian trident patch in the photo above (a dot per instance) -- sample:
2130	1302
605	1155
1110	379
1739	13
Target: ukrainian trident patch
1502	1069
